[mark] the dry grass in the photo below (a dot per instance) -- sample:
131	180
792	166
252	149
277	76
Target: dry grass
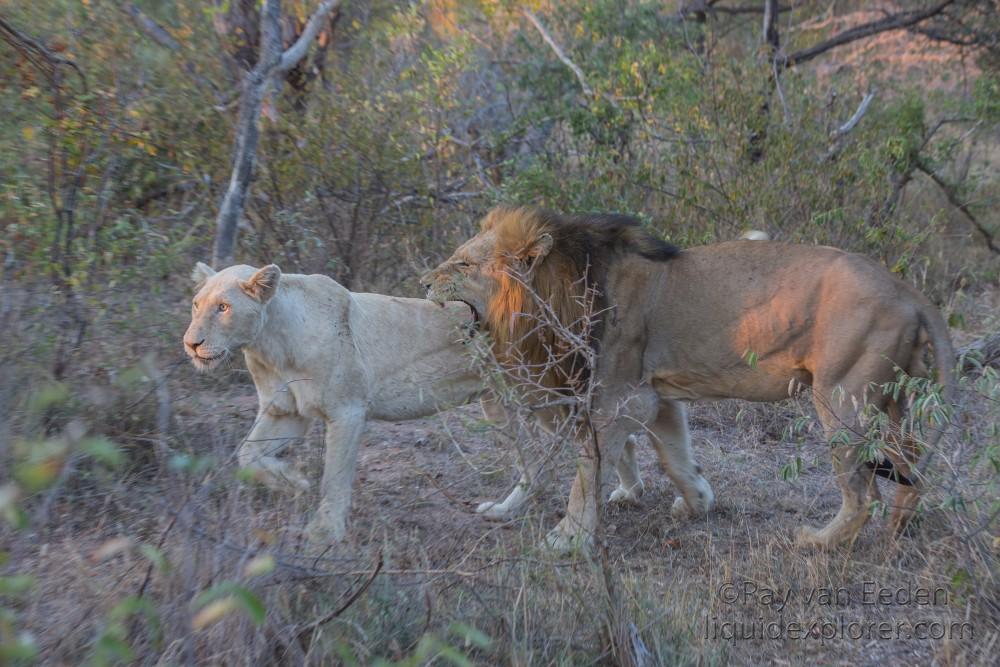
445	565
445	570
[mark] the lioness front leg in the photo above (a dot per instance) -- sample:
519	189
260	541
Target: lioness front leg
533	473
343	436
270	435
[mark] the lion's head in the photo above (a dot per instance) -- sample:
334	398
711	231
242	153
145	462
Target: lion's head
228	311
530	272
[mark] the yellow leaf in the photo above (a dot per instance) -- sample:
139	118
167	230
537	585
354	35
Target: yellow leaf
28	133
260	565
214	612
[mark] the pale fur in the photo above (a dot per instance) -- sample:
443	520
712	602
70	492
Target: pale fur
682	329
318	351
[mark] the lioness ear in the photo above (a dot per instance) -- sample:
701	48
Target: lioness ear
201	273
263	284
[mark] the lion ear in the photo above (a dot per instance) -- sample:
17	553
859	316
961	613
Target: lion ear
540	248
263	284
201	273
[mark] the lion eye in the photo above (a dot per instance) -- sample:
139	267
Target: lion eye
194	306
223	307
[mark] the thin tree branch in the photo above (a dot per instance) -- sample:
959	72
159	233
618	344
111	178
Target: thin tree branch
953	199
150	28
853	121
560	54
291	57
896	21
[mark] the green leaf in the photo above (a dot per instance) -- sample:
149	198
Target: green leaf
155	556
103	451
16	584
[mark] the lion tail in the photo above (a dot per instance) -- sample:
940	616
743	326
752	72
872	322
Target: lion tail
934	330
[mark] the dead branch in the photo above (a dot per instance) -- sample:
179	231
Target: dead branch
837	136
853	121
983	352
557	50
949	192
39	55
326	618
150	28
255	87
897	21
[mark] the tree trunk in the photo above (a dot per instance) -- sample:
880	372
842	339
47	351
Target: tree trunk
271	61
255	85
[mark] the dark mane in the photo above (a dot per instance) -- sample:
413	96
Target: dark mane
570	279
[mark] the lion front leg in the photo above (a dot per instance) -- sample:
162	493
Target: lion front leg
270	435
343	437
614	423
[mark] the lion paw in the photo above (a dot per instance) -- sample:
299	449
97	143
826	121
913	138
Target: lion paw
563	539
624	496
807	538
704	501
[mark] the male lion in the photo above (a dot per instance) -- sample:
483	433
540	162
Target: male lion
318	351
679	326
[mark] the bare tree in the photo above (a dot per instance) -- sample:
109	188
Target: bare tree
272	62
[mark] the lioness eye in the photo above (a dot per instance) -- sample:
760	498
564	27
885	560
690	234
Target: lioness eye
194	306
223	307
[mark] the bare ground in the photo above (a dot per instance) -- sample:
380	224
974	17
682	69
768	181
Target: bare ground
678	581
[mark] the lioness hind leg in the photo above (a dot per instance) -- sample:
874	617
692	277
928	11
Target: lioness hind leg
270	435
671	439
534	473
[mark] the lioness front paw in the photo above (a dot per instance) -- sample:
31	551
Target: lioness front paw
326	528
624	496
494	511
277	476
806	537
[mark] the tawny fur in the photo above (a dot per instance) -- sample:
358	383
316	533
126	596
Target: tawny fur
676	327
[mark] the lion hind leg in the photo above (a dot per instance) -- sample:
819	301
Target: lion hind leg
671	439
630	486
839	406
903	452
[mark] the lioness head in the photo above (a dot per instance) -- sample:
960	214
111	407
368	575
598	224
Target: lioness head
228	311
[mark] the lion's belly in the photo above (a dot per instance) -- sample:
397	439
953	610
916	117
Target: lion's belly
765	383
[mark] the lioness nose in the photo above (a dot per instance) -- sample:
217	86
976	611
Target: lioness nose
193	344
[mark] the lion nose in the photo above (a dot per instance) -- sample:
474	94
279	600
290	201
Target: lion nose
193	344
426	281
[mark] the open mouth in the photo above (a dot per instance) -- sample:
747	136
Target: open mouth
474	324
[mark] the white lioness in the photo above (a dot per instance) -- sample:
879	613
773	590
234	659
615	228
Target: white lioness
318	351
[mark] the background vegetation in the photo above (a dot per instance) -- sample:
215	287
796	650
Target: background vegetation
129	535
